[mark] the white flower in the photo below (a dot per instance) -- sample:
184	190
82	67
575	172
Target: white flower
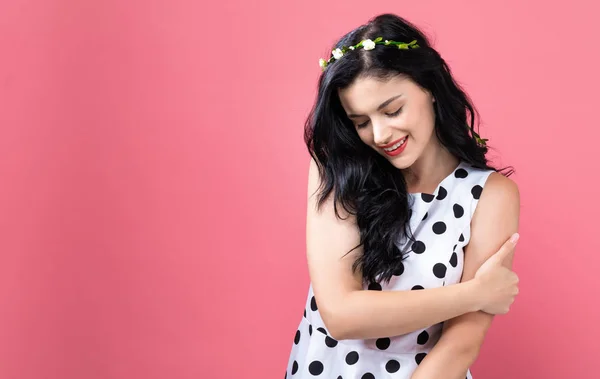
322	63
351	47
368	44
337	53
387	42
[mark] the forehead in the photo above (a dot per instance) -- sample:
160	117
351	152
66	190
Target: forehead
365	94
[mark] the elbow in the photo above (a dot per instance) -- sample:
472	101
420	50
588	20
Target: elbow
337	321
339	332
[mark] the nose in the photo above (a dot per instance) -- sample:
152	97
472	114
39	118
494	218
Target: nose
381	134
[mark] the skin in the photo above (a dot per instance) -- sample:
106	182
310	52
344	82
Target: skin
488	285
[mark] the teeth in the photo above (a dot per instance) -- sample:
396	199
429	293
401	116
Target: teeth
397	145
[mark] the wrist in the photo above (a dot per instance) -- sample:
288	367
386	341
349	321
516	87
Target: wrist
473	295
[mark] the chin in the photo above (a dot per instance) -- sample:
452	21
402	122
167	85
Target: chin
400	162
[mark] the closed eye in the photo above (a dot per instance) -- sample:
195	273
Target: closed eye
394	114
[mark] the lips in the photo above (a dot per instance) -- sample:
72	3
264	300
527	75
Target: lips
399	149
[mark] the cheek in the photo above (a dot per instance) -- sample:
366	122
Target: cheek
422	124
365	135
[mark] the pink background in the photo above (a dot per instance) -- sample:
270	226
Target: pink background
153	171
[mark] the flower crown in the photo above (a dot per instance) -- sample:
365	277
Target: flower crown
368	44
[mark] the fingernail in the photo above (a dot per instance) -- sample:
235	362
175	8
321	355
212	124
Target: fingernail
514	238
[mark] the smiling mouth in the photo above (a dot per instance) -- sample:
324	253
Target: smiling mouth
396	145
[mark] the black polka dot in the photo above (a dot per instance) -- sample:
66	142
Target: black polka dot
461	173
330	342
315	368
454	248
428	198
399	269
439	227
439	270
340	377
425	217
297	337
476	191
368	375
454	260
461	238
418	247
458	211
352	357
392	366
423	337
419	357
417	287
383	343
294	367
322	330
310	330
313	304
442	193
375	286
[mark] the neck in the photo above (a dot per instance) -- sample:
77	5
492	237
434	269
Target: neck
429	170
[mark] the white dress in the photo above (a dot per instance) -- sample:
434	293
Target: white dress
440	223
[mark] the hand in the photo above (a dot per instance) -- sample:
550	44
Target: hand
497	284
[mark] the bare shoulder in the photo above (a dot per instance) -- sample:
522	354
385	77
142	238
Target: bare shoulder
500	194
499	187
314	178
315	183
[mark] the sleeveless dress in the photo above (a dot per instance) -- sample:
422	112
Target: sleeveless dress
441	224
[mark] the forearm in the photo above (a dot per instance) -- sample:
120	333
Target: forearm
457	349
376	314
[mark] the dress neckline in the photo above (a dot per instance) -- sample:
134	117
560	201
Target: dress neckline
444	181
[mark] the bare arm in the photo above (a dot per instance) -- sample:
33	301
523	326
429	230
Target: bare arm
349	312
496	218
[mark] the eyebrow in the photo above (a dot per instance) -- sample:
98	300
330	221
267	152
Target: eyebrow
382	105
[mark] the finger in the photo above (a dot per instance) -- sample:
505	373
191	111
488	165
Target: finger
507	249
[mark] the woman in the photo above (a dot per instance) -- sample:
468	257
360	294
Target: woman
410	234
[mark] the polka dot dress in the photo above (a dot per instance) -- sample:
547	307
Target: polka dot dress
440	223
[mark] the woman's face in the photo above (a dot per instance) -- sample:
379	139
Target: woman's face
395	117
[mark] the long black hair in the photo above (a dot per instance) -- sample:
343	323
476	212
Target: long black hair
363	182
